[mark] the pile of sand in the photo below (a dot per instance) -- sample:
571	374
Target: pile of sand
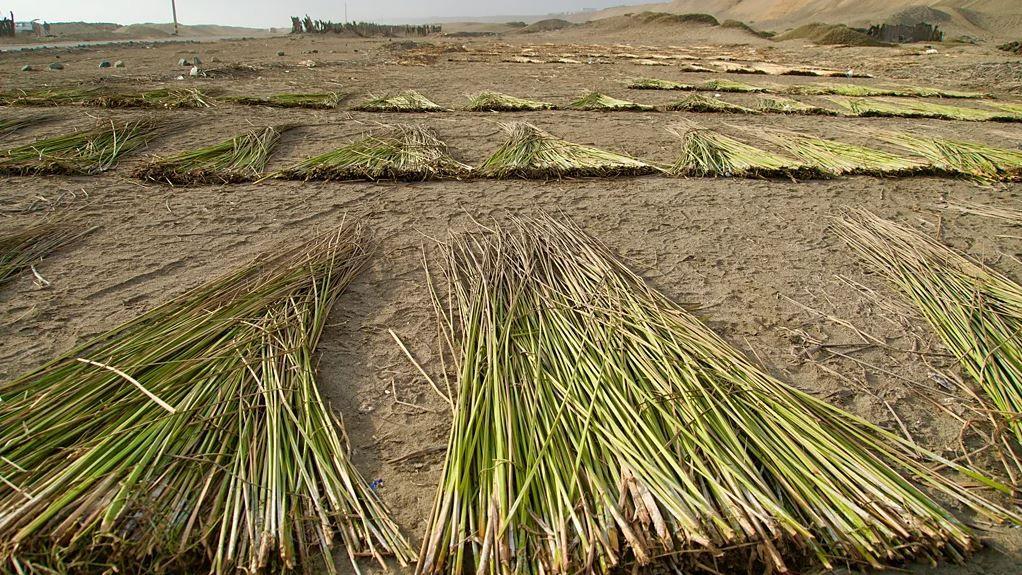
830	35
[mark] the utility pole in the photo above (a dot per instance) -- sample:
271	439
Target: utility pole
173	8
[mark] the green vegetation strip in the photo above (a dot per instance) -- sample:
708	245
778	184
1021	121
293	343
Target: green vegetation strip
599	427
193	438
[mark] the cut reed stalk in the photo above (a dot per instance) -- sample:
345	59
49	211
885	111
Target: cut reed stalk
836	158
600	428
193	438
911	108
781	105
314	101
532	153
23	248
655	84
958	158
706	152
239	159
975	310
409	101
401	153
81	153
707	104
722	85
597	102
497	102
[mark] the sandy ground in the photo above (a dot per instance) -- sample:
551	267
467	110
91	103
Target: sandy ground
755	259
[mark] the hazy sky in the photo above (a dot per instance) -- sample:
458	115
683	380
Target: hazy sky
266	13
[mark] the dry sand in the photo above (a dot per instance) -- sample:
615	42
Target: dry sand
754	259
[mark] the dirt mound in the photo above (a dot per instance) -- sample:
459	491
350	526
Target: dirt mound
830	35
548	25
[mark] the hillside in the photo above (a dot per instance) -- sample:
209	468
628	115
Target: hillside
990	18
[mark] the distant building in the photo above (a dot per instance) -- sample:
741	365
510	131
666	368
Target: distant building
22	27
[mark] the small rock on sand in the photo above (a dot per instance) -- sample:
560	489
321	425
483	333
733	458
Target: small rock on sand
196	61
183	62
56	66
104	63
280	52
119	64
26	68
194	72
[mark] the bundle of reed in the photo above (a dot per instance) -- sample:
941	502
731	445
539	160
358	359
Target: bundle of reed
851	90
959	158
81	153
401	153
835	158
909	108
723	85
532	153
193	438
239	159
11	125
707	104
23	248
781	105
943	93
314	101
597	102
163	98
408	101
52	97
707	152
975	310
497	102
1012	108
599	427
655	84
